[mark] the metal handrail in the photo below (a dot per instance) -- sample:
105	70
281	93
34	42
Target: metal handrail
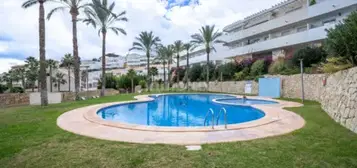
225	116
210	111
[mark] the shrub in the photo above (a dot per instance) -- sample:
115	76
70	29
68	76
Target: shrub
258	68
124	82
211	72
142	83
228	70
310	56
195	73
3	88
242	74
341	39
17	90
278	66
110	82
334	64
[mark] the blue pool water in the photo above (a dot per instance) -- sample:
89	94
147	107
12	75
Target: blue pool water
182	110
246	101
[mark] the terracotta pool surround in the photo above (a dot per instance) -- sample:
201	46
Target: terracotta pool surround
276	121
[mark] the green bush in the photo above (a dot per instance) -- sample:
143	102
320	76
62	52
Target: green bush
111	82
211	72
3	88
310	56
334	64
195	73
228	70
124	82
17	90
142	83
258	68
242	74
278	66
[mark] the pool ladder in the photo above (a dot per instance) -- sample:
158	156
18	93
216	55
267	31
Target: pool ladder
211	112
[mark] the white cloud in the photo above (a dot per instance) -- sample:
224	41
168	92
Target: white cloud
144	15
7	63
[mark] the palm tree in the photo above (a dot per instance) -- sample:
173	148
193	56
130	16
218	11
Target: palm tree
67	62
208	36
59	80
146	42
20	73
169	53
162	57
74	7
52	64
178	46
100	14
131	74
188	47
31	71
42	36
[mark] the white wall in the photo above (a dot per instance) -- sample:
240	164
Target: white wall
53	98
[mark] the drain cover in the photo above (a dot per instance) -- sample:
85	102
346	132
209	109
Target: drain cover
193	147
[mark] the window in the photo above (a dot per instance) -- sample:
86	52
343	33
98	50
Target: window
285	32
302	28
328	22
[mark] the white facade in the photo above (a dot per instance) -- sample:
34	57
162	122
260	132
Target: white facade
110	63
136	60
279	30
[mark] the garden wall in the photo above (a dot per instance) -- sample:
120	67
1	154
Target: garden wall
70	96
337	95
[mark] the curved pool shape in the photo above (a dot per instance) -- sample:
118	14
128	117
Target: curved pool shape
244	101
178	110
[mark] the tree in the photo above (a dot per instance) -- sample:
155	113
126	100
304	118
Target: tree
188	47
208	36
32	70
178	47
310	56
146	42
67	62
154	71
59	80
7	79
51	64
162	58
342	40
74	7
42	36
131	74
195	73
100	15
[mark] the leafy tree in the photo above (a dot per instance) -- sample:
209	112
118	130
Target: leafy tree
211	69
154	71
146	42
32	70
142	83
100	15
131	74
208	36
189	47
162	56
7	79
42	74
74	7
58	80
310	56
342	40
110	81
68	62
258	68
228	70
51	64
178	47
3	88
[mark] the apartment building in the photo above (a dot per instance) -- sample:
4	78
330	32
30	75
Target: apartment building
278	31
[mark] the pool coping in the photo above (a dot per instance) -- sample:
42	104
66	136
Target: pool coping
272	114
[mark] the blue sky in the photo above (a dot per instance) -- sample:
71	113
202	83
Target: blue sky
169	19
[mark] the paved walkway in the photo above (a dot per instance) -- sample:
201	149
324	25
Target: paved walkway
276	122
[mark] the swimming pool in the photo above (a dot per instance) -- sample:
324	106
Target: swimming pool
179	110
240	101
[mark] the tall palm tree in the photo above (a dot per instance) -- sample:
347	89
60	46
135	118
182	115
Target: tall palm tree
74	7
100	15
169	54
51	64
67	62
162	57
42	36
178	46
146	42
59	80
188	47
208	36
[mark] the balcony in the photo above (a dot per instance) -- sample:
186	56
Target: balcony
293	17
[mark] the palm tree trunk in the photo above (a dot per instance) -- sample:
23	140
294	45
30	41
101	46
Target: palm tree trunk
168	72
69	79
59	86
50	78
177	71
148	68
75	52
187	69
104	34
164	75
207	71
43	76
23	82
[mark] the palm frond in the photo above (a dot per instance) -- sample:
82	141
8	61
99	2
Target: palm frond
29	3
54	10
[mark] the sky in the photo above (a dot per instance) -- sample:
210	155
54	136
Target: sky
169	19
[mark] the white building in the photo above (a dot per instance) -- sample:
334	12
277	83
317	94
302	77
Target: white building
278	31
137	60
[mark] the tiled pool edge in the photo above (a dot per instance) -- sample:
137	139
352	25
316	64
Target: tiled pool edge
266	126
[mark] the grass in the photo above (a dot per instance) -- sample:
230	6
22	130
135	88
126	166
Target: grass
29	137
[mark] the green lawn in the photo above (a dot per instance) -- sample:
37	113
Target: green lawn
29	137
